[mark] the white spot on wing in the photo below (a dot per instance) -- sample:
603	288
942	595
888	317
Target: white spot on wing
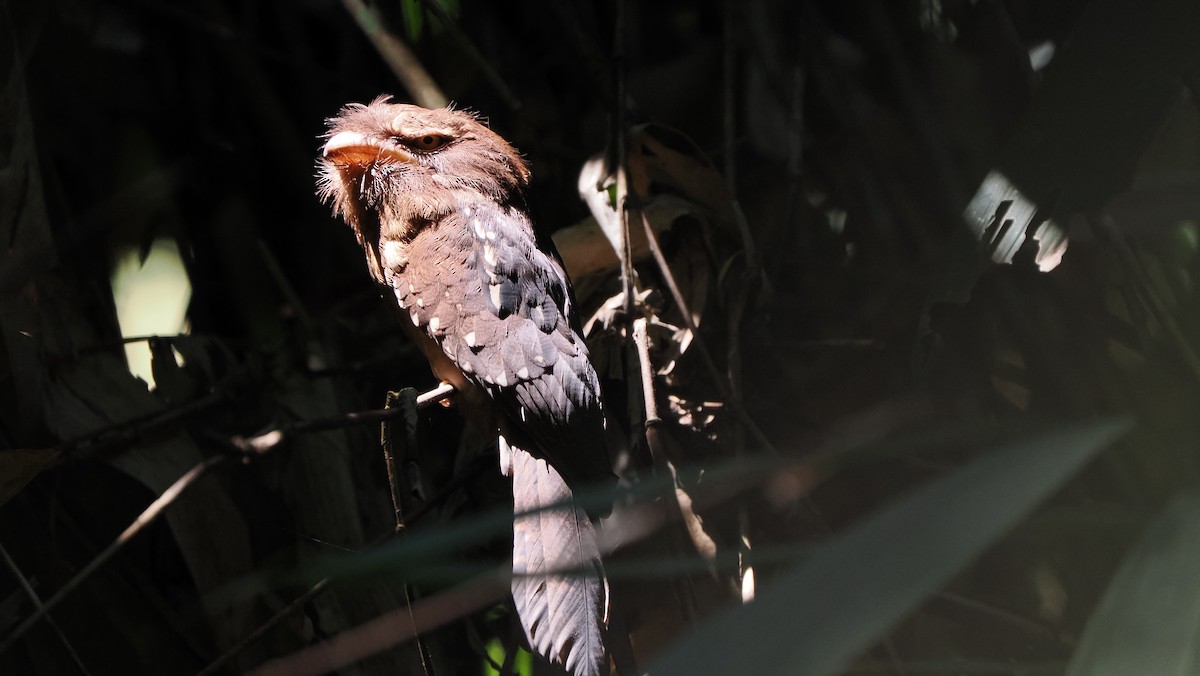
502	379
434	323
393	254
494	291
469	339
416	319
523	373
539	360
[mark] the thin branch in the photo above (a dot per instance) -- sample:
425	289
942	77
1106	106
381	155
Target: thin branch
316	590
147	517
473	53
285	286
706	357
399	57
398	625
391	628
37	604
405	401
285	612
728	95
620	140
262	443
255	446
684	592
129	430
395	400
653	421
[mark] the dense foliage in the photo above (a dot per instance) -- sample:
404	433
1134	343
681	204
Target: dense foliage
916	279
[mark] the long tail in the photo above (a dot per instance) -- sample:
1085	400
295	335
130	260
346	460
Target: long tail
558	583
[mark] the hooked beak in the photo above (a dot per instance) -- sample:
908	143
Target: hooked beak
347	148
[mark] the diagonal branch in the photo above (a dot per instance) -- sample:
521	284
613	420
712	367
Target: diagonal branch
398	56
147	517
253	446
37	603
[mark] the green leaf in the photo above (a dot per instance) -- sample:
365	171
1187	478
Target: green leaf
1147	621
522	663
414	18
826	611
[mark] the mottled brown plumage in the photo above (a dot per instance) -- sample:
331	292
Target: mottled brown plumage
435	199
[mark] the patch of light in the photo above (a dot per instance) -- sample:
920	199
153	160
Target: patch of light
151	298
1040	55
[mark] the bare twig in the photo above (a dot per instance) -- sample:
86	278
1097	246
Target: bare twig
706	357
642	340
285	286
729	100
620	140
266	441
37	603
395	401
129	430
147	517
684	591
398	626
728	95
473	53
398	56
405	400
391	628
316	590
285	612
256	445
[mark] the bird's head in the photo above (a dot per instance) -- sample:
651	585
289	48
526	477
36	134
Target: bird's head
389	169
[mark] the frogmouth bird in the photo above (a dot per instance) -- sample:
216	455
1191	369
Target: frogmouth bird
436	200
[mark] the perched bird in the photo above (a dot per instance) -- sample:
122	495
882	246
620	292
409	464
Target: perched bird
435	198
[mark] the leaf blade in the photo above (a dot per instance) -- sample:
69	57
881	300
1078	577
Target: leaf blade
1148	618
824	612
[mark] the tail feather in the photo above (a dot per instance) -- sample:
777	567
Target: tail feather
558	584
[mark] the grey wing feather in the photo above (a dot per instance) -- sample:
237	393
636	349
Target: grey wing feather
501	310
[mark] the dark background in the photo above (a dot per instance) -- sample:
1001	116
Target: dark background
863	336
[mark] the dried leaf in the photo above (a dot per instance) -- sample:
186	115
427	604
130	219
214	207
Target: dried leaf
656	160
578	244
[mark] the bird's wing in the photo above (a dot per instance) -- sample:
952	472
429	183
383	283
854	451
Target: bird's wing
500	308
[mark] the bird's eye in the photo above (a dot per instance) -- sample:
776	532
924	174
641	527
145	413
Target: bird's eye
428	143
